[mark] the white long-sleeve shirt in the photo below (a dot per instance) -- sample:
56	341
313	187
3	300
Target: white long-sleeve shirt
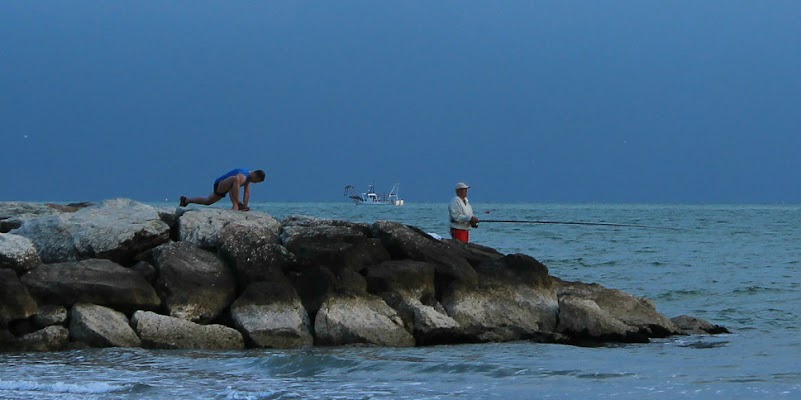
461	213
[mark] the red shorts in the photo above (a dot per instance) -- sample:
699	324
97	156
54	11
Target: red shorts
460	235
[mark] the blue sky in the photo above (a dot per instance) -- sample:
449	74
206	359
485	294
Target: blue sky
527	101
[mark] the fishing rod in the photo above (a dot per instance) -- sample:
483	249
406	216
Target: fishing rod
515	221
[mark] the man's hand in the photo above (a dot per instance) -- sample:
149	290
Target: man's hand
474	222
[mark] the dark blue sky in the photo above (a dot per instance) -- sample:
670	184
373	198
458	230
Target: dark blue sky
527	101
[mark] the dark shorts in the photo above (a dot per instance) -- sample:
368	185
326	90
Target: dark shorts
215	190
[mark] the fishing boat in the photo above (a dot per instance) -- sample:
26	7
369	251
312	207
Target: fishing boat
372	198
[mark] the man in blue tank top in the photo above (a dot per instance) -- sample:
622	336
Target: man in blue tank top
229	184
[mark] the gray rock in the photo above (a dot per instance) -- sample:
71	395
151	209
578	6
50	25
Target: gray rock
194	283
117	230
163	332
320	242
253	254
146	270
15	301
475	254
13	214
405	242
360	320
498	313
408	287
202	227
50	314
697	326
514	300
100	326
94	281
316	284
637	312
270	314
52	338
583	319
17	253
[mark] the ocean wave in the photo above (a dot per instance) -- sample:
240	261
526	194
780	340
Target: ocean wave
67	388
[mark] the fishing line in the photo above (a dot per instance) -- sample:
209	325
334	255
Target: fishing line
514	221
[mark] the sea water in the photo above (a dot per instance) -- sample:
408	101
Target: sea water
734	265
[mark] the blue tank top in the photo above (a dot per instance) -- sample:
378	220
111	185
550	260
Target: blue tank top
235	172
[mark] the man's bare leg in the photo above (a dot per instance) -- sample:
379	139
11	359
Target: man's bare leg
233	193
213	198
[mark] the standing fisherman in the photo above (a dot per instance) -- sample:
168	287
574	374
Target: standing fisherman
461	213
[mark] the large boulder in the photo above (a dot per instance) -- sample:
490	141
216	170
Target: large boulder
52	338
253	254
15	301
315	285
95	281
408	287
163	332
514	300
270	314
117	230
14	213
99	326
405	242
588	306
317	242
360	320
475	254
585	322
194	283
17	253
202	227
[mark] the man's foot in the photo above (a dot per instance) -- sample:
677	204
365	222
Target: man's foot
183	201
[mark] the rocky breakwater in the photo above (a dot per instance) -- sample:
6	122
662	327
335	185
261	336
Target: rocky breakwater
122	273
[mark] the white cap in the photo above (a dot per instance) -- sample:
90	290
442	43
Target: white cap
461	185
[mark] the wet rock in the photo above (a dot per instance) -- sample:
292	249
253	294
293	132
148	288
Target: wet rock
404	242
408	287
360	320
315	285
99	326
15	300
637	313
270	314
697	326
49	315
253	254
163	332
94	281
52	338
194	283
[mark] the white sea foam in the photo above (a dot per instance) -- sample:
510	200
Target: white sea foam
62	387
